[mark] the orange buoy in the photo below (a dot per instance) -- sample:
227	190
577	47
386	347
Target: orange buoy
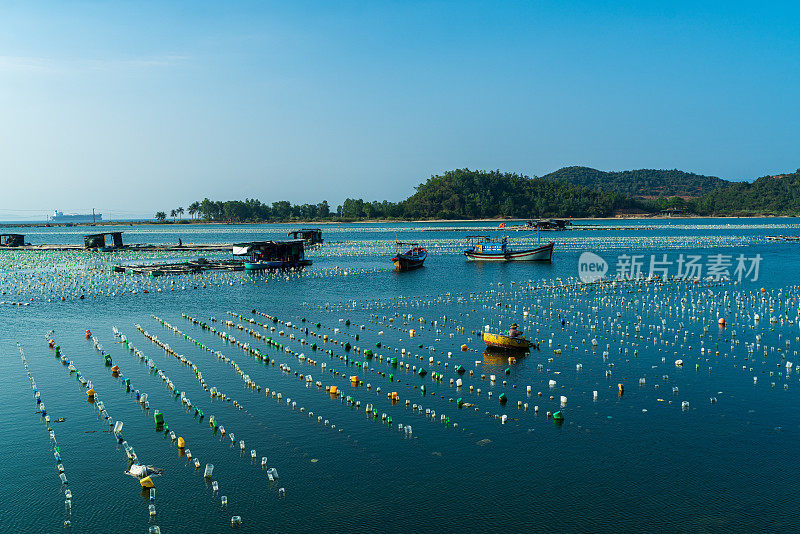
334	390
51	343
464	347
88	334
90	393
511	360
721	321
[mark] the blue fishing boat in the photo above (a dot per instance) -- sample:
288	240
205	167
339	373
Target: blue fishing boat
483	248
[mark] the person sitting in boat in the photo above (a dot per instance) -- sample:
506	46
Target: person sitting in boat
513	331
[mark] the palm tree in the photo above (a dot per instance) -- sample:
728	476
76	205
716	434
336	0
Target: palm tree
173	214
161	216
194	207
179	211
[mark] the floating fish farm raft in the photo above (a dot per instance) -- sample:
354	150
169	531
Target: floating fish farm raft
188	267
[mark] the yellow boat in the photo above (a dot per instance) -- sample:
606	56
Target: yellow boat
499	341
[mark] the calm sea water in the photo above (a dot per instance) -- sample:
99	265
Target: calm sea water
631	462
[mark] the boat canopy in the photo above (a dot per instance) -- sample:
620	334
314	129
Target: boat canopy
478	238
272	250
243	249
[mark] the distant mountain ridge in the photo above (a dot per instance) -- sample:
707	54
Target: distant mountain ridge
640	183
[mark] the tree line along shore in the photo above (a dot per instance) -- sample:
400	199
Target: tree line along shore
572	192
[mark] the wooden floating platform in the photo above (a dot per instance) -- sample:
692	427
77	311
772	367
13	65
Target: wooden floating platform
532	230
188	267
188	247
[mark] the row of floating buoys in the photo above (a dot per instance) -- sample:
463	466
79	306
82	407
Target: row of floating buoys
99	405
146	480
368	353
250	350
159	421
214	424
158	418
301	358
333	390
257	354
53	441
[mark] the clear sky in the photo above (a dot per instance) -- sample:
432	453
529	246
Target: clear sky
133	107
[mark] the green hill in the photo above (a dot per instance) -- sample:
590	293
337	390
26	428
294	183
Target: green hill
778	195
464	194
640	183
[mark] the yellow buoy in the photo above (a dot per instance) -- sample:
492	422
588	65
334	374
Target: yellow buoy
181	443
90	393
146	482
464	348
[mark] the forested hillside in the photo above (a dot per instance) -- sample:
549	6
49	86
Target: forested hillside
463	193
641	182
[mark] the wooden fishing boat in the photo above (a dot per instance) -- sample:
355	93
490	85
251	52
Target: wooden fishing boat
503	342
412	259
482	248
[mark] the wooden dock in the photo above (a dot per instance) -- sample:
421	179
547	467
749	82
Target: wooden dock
187	247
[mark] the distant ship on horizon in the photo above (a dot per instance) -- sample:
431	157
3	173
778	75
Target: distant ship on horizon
59	216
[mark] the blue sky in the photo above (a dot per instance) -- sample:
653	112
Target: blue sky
137	106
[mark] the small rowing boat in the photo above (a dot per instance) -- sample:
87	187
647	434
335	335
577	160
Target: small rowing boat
500	341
